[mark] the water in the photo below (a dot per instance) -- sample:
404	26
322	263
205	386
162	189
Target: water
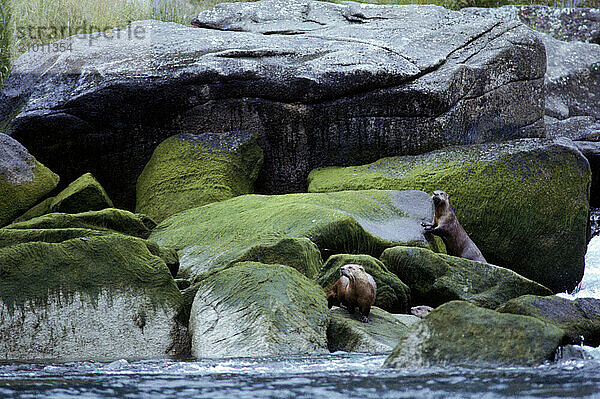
339	375
334	376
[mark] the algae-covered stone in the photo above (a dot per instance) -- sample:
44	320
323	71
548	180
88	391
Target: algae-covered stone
84	194
379	335
254	309
98	298
23	180
438	278
524	203
216	235
188	170
461	333
579	318
392	294
108	220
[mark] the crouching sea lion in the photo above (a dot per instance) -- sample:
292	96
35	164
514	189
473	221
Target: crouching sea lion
355	288
445	224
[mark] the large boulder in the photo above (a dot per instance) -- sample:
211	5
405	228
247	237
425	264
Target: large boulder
579	318
188	170
435	279
392	294
380	335
459	333
98	298
524	202
23	180
253	309
275	229
319	83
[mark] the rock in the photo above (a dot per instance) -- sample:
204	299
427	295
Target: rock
562	23
579	319
23	180
591	150
435	279
107	220
252	309
421	311
187	171
574	128
392	294
572	79
498	192
319	83
275	229
84	194
99	299
459	333
379	335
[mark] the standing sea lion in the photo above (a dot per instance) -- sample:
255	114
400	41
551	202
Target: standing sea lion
355	288
452	233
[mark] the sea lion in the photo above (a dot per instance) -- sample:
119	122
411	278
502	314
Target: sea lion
355	288
445	224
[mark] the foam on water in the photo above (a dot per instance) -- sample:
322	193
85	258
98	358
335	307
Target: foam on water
590	284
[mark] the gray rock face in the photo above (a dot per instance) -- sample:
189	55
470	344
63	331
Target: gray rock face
321	84
568	24
591	150
253	309
572	41
380	335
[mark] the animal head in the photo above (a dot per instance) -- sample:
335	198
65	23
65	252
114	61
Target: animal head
440	197
351	270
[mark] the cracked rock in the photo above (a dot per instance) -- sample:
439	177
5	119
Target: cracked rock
318	83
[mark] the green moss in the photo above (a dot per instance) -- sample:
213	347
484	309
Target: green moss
216	235
10	237
17	198
438	278
461	333
30	272
580	319
84	194
524	203
300	253
187	171
108	220
37	210
392	294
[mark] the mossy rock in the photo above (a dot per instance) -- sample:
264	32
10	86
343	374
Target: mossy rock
380	335
579	318
524	202
94	298
460	333
84	194
187	171
214	236
109	219
435	279
253	309
23	180
392	294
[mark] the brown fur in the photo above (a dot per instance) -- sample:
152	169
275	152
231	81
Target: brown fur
355	288
452	233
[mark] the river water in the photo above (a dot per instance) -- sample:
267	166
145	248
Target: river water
339	375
